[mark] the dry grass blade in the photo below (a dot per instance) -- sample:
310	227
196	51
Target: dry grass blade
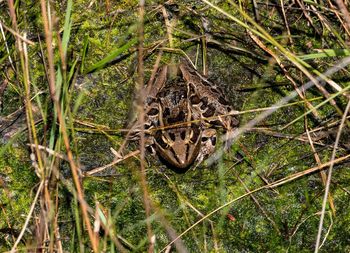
329	176
39	191
257	203
16	34
99	169
141	113
53	93
318	160
345	12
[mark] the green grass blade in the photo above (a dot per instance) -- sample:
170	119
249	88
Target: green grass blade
71	71
112	56
323	53
67	27
83	54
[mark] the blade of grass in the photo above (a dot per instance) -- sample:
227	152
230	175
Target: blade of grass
140	84
67	27
323	53
72	70
13	250
329	176
84	52
111	56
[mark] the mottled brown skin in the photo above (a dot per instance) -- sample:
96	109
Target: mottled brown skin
183	111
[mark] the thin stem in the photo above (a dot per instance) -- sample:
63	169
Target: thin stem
63	130
329	176
28	216
140	84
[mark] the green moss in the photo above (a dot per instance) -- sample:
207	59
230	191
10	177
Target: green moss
271	220
17	190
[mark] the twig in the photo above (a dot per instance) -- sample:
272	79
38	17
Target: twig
307	16
16	34
50	151
169	27
99	169
286	22
336	12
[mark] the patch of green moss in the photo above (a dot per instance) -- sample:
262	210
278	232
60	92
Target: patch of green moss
17	189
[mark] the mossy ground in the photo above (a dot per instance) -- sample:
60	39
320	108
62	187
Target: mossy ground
271	220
